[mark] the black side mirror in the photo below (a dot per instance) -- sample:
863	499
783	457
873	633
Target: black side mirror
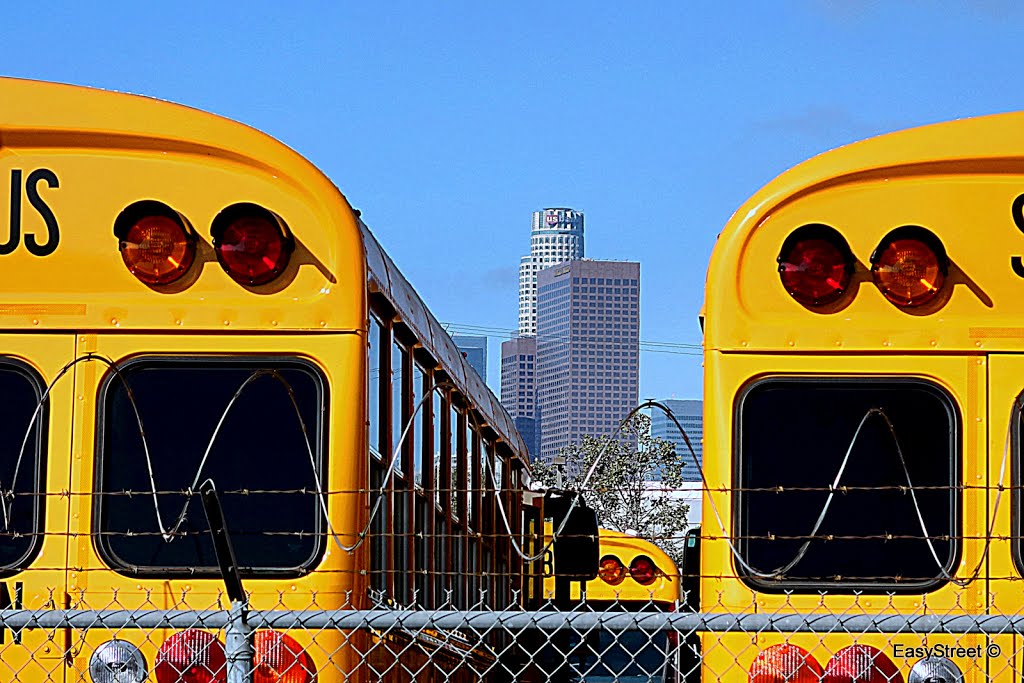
575	549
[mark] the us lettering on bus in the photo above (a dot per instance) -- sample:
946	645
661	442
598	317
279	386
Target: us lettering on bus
1017	211
29	189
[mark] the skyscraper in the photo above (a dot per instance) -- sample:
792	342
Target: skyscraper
555	237
690	414
588	350
474	348
518	392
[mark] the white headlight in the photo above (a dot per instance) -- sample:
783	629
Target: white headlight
935	670
117	661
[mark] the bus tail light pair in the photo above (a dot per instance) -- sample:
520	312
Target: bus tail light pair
791	663
158	245
194	656
909	266
613	572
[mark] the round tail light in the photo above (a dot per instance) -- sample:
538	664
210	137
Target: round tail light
788	663
253	244
156	244
117	661
611	570
279	659
815	265
861	664
191	656
643	570
910	266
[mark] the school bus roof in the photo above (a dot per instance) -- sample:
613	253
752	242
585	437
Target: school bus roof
957	179
83	155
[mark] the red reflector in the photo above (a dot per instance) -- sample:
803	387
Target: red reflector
279	659
643	570
611	570
191	656
863	664
251	244
785	663
815	265
910	266
155	244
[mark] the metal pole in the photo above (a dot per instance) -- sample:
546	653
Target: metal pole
238	649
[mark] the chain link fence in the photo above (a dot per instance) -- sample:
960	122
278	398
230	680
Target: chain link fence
589	642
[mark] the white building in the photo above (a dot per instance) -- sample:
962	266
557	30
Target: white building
556	236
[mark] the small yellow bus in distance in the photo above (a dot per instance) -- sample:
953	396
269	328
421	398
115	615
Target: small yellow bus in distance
183	299
864	372
634	575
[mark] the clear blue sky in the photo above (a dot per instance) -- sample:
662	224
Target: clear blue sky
449	123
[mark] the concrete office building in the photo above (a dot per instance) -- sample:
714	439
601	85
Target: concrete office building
518	394
556	236
690	414
474	348
588	350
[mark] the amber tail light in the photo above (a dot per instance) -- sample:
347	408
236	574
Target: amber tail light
156	244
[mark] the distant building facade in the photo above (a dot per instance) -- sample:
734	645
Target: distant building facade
474	348
690	414
518	388
588	350
556	236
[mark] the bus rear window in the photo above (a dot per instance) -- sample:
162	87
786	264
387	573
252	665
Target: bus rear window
232	420
21	468
793	437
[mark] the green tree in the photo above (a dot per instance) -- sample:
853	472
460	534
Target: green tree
623	488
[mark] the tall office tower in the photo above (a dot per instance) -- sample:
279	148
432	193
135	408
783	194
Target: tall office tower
475	350
518	362
690	414
588	350
556	237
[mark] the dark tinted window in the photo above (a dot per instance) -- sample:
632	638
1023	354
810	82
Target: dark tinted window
21	471
259	461
1017	469
793	437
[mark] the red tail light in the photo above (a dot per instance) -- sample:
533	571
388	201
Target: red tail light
252	244
815	265
643	570
861	664
279	659
611	570
785	664
910	266
191	656
155	243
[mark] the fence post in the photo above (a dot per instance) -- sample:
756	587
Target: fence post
238	649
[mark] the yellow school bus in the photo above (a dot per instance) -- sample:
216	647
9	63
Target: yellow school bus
634	575
184	299
863	393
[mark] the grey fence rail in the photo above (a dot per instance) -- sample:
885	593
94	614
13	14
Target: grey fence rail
114	645
487	620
